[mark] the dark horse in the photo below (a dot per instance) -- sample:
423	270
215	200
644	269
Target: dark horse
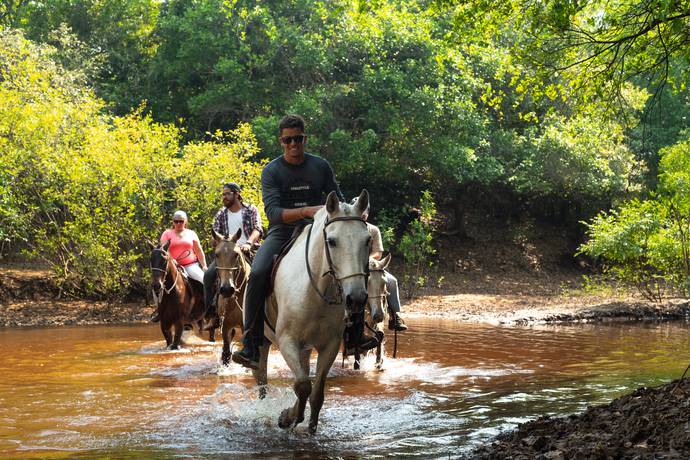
177	301
233	273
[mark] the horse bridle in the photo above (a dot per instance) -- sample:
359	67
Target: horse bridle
231	269
338	297
156	298
385	292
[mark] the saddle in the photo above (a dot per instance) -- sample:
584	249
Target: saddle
278	258
192	284
269	328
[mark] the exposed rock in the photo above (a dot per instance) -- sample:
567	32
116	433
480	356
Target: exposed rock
649	423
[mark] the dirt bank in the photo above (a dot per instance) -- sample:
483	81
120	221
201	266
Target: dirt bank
29	297
649	423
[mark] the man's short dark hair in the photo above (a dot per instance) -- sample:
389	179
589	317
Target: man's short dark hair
291	121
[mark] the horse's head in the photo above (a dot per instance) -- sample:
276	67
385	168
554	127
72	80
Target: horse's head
377	288
227	262
159	266
347	247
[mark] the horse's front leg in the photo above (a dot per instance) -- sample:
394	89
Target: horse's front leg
323	365
305	357
165	329
292	354
179	327
228	333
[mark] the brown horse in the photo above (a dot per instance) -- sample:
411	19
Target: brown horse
233	273
177	302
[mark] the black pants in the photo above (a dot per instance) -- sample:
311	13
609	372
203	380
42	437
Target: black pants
209	284
257	286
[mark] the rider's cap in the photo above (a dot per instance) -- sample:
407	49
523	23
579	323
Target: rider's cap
179	214
233	186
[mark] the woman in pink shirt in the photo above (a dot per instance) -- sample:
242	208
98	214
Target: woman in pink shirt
185	247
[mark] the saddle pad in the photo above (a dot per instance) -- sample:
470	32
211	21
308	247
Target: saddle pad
269	328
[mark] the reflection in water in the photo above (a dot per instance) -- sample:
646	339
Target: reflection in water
114	391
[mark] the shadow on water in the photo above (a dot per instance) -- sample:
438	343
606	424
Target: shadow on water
104	392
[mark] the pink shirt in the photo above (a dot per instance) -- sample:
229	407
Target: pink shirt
181	247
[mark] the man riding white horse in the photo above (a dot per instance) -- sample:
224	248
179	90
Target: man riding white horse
294	187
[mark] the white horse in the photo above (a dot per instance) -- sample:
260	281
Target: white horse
377	289
317	284
374	313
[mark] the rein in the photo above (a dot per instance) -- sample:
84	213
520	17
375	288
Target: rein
338	297
157	298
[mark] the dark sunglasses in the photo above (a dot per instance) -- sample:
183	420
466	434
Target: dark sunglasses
178	221
298	139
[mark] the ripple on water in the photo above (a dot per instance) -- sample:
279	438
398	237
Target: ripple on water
224	421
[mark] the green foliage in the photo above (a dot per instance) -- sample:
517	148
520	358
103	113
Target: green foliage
204	167
647	243
416	245
85	190
574	158
117	34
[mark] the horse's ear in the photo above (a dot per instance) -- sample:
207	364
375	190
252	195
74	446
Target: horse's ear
385	261
237	235
332	203
216	236
362	203
166	245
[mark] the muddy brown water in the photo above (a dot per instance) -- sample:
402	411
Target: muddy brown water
115	392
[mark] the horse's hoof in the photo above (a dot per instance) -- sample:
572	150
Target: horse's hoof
174	347
225	358
312	427
284	419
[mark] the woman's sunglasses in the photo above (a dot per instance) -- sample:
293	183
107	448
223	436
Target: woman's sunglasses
178	221
298	139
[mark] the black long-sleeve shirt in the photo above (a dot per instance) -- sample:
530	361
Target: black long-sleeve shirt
288	186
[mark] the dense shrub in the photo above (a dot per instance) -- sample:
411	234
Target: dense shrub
647	243
85	189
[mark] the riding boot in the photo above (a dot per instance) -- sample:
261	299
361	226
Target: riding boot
249	355
155	317
366	343
396	323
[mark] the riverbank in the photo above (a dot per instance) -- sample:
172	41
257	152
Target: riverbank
29	297
648	423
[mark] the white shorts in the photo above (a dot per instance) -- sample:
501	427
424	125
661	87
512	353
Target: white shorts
195	272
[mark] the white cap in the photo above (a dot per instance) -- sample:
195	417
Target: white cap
179	214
